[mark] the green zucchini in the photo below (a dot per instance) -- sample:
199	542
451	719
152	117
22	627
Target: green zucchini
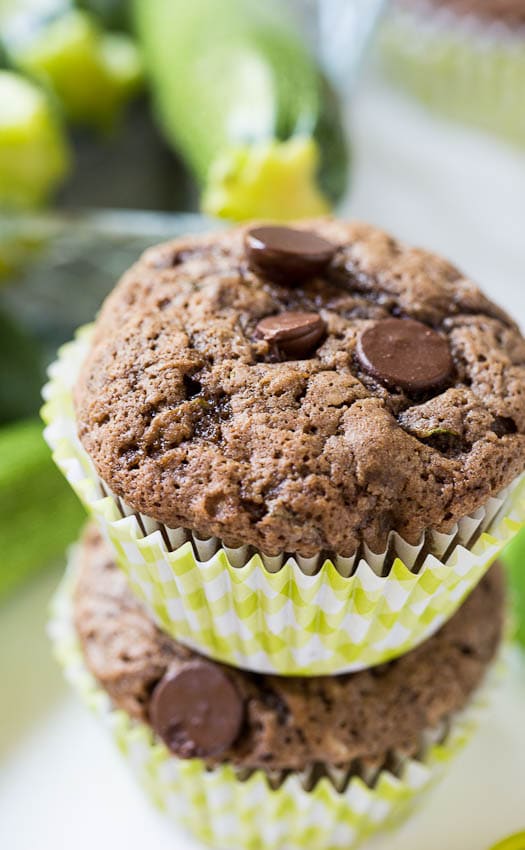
238	94
114	14
34	153
39	514
91	73
21	372
514	560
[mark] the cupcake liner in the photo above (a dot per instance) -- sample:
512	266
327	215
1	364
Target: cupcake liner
228	811
290	616
469	70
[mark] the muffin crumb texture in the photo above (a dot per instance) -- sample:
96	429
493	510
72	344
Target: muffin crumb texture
357	721
200	411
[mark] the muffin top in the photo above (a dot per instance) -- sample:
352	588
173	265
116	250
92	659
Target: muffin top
302	392
508	11
221	714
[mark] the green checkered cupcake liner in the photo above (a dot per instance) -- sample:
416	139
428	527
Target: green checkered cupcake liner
471	71
288	615
228	811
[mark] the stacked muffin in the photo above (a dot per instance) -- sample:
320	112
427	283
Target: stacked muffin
465	58
302	449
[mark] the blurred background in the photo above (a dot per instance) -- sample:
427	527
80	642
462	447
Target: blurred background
125	122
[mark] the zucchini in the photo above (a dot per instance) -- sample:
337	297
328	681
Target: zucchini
114	14
238	94
34	153
39	514
514	560
21	372
91	73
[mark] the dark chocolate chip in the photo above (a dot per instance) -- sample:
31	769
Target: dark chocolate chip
286	254
503	425
197	710
192	386
295	334
406	354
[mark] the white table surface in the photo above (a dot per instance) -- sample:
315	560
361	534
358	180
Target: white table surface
61	783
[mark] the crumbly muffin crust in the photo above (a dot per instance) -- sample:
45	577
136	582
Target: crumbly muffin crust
293	723
190	419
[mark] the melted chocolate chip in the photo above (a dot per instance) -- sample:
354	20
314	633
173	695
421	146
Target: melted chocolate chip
197	710
405	353
295	334
287	255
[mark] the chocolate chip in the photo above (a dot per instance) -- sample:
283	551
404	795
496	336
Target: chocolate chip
197	710
295	334
406	354
192	387
503	425
286	254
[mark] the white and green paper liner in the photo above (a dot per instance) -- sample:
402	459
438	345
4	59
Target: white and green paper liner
470	70
289	616
229	812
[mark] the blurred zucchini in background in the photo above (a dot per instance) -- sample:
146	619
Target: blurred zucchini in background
40	514
92	73
34	152
21	372
114	14
238	94
514	559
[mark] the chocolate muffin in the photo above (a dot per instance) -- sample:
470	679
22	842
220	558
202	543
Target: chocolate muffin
353	724
302	390
464	59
